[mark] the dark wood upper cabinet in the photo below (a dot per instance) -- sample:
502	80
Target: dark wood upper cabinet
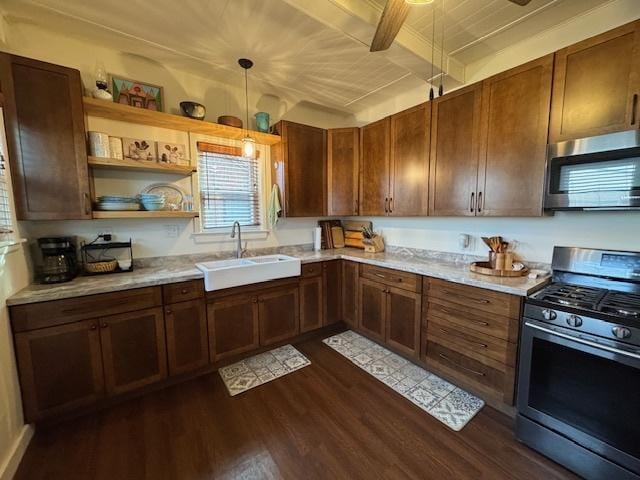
455	141
343	161
404	310
133	349
332	277
596	85
374	168
233	326
515	121
279	315
299	167
187	342
60	368
350	276
409	161
372	308
46	139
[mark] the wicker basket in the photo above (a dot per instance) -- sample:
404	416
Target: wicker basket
103	266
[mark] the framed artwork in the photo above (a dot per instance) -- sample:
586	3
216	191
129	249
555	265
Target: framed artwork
139	149
137	94
172	153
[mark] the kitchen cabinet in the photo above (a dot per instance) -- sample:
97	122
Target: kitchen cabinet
233	326
455	141
279	315
311	303
350	279
60	368
44	120
409	161
332	278
343	163
187	342
372	308
403	312
298	165
133	349
374	168
515	122
596	84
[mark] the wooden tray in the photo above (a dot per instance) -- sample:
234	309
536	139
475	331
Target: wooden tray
484	268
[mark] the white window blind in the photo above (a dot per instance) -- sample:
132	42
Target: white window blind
6	223
229	190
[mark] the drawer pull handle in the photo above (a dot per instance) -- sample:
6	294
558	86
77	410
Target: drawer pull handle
475	372
446	332
398	279
457	295
479	322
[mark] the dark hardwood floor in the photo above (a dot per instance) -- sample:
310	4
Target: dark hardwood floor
330	420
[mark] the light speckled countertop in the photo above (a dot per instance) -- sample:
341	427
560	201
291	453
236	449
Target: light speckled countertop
163	270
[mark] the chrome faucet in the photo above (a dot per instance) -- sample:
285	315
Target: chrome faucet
239	250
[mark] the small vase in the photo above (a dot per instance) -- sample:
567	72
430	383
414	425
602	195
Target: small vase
262	122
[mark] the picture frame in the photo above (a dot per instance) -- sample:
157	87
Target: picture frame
172	153
140	150
137	94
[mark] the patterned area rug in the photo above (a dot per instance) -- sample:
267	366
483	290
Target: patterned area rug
262	368
451	405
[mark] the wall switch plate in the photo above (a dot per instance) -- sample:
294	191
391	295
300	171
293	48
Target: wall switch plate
173	231
463	241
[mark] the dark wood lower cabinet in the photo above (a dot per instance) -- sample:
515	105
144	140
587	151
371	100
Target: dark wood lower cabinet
332	277
350	293
279	315
187	342
403	320
133	349
372	308
311	303
60	368
233	326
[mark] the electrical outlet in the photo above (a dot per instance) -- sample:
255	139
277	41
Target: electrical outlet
106	231
173	231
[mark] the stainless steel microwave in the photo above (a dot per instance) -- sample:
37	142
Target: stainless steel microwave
592	173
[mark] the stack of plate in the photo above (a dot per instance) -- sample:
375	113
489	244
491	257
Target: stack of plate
117	203
152	201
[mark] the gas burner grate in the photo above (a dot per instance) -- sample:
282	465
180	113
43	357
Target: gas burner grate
621	303
572	295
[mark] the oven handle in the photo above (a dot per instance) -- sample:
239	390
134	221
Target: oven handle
584	342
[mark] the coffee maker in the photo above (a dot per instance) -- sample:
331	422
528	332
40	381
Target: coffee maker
59	259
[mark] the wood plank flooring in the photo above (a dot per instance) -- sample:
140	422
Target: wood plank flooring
330	420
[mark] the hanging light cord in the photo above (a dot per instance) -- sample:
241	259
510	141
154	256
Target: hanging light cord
441	89
433	51
246	100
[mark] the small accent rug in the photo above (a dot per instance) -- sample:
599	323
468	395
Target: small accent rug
262	368
451	405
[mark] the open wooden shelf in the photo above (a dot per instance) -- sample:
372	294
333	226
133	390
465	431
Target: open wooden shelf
125	113
133	165
144	214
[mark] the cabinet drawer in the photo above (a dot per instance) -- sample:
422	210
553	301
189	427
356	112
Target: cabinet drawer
58	312
395	278
311	269
181	292
470	319
478	298
473	344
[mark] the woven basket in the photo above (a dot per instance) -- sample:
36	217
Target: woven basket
104	266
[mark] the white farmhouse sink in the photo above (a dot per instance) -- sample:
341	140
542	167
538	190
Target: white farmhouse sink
243	271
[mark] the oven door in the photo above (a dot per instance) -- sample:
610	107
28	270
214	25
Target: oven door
583	391
594	173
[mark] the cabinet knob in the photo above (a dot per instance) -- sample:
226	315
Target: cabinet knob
104	325
169	311
184	291
93	326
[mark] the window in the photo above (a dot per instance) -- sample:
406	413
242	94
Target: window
6	216
229	188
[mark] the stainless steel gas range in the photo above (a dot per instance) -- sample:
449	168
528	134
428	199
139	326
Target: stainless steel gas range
579	367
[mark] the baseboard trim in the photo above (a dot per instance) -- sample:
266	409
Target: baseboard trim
10	466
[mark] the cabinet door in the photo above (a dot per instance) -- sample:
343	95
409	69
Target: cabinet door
311	303
409	159
279	315
596	84
372	308
332	277
133	349
343	158
46	139
455	141
233	326
187	342
403	320
350	275
60	368
515	121
374	168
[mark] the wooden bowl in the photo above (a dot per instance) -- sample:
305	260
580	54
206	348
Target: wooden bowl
484	268
105	266
230	120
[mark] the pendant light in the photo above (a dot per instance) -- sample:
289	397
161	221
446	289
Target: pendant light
248	143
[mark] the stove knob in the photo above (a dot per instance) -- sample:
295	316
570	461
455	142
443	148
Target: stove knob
621	332
549	314
574	321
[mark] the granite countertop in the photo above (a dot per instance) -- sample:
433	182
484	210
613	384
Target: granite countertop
164	270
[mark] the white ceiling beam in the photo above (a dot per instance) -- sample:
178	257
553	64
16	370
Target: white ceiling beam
358	19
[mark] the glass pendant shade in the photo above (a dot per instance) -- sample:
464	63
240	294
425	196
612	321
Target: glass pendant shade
248	147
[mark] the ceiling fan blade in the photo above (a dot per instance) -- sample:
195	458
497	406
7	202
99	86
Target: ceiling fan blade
393	16
522	3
